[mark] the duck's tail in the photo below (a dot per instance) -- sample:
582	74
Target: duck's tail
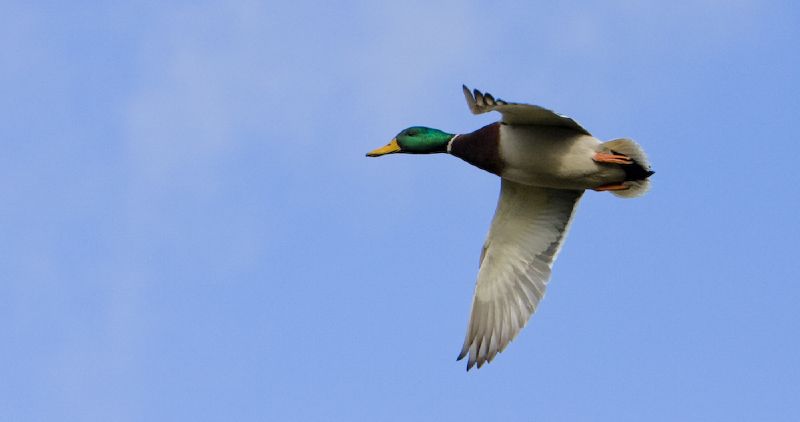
636	173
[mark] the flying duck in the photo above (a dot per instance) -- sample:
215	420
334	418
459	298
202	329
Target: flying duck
545	162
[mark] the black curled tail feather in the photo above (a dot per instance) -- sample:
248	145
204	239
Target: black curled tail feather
635	171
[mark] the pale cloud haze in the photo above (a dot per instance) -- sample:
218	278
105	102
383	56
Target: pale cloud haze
191	230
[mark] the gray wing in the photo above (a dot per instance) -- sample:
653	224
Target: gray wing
526	234
518	114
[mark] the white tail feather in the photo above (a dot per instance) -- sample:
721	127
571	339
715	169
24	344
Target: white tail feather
635	189
631	149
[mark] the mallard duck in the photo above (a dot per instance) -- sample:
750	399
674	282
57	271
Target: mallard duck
545	162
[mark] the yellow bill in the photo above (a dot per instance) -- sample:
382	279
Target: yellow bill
388	149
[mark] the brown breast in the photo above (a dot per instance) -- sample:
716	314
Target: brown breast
480	148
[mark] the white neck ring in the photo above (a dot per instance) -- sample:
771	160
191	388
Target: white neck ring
450	143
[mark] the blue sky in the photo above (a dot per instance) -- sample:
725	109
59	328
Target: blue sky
190	229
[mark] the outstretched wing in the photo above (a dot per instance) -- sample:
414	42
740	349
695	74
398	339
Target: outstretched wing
518	114
525	236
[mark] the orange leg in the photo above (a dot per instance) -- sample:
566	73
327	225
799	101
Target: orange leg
612	186
604	157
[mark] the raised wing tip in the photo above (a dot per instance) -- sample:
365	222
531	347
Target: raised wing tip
480	102
471	102
468	94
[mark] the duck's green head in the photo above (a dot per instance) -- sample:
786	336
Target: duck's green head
416	140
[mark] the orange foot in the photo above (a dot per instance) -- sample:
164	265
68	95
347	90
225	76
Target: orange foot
603	157
612	186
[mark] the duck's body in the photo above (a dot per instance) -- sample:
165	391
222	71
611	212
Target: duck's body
546	156
545	162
